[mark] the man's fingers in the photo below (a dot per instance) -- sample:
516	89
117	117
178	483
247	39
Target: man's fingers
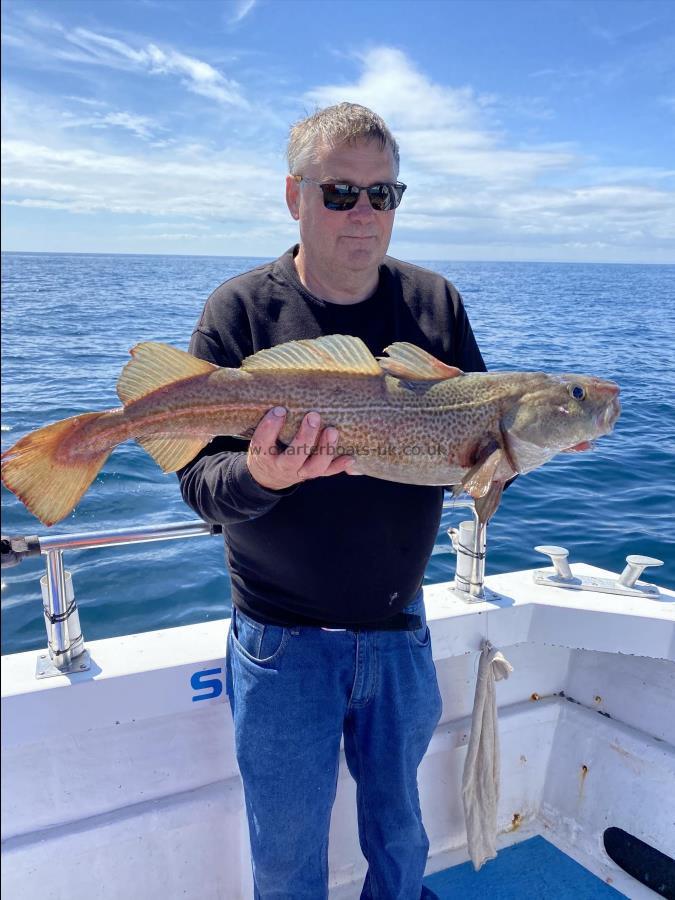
318	462
341	464
263	456
311	453
264	438
304	441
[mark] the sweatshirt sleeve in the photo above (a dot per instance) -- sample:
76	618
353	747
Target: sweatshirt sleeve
217	484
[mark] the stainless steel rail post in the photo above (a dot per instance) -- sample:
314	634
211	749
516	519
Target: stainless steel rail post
473	588
65	644
64	635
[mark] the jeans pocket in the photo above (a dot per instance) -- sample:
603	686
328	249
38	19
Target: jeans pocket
419	636
261	644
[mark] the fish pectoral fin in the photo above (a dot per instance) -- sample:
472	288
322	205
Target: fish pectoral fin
334	353
173	453
154	365
410	362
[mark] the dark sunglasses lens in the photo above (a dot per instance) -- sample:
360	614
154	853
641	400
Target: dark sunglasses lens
383	197
339	196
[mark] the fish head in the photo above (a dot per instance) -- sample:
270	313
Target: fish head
556	413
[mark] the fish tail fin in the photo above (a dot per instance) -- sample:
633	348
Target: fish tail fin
45	476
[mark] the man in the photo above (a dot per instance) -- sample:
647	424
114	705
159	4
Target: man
328	636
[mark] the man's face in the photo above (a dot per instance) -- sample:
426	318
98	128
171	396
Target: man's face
356	239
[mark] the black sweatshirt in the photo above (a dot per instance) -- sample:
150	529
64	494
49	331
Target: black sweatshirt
342	550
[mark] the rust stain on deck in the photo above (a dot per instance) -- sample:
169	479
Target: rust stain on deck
516	822
582	780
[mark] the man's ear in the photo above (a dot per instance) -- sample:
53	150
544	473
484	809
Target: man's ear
293	196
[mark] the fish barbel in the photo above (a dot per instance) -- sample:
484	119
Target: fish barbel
405	417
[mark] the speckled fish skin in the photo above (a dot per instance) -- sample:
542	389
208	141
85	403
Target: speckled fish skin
401	431
425	424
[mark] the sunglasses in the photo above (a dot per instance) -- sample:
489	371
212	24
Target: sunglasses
342	196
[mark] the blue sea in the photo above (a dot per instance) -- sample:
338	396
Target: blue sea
69	321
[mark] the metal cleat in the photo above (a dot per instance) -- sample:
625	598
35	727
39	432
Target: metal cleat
635	567
626	584
558	557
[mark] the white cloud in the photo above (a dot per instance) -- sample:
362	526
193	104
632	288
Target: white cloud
171	236
440	129
86	101
104	48
585	77
141	126
93	48
241	9
401	94
221	186
471	183
200	77
474	187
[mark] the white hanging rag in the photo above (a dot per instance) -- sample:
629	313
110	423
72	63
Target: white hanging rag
480	781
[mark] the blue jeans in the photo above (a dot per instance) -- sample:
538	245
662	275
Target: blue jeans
293	693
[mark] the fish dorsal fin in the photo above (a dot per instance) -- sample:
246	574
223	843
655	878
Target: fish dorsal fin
410	362
173	453
333	353
154	365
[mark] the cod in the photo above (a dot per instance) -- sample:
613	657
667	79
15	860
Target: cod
405	417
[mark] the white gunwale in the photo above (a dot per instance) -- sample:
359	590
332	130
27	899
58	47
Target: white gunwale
125	781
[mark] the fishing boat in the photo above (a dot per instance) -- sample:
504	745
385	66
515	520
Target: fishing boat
119	777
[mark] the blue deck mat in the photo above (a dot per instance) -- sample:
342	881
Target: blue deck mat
533	868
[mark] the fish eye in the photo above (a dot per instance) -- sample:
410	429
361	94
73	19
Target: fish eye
577	392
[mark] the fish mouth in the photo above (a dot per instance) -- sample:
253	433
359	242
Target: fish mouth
609	388
610	414
581	447
608	393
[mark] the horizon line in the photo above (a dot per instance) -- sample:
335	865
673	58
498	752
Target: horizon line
557	262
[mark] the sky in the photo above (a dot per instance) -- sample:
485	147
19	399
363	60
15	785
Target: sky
536	130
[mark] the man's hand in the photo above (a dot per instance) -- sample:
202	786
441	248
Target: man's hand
276	470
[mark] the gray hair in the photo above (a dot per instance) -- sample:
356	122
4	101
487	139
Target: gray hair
344	123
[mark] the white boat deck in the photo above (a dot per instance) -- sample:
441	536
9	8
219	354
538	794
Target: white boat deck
122	780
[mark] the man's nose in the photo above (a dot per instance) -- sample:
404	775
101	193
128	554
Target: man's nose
362	206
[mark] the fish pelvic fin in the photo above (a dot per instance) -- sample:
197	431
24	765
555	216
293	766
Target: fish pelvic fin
334	353
154	365
485	480
407	361
171	453
48	481
478	479
486	506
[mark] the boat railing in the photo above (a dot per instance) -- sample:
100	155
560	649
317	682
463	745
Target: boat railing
66	652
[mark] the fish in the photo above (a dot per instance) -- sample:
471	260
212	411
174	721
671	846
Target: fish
405	417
